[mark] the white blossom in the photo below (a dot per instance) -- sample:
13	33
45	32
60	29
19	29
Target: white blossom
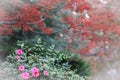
103	1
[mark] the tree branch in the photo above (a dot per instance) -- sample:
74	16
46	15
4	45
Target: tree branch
56	31
12	23
7	23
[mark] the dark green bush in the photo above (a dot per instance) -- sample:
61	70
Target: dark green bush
62	65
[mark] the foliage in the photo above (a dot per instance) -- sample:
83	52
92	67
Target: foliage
59	65
62	21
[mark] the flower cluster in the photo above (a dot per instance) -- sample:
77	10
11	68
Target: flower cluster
19	52
34	71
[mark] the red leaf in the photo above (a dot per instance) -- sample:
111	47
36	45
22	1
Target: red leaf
47	30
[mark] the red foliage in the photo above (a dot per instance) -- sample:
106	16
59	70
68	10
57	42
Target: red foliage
84	22
3	15
47	30
5	30
78	5
48	4
29	15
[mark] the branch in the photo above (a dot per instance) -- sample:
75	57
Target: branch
57	31
60	30
12	23
7	23
35	22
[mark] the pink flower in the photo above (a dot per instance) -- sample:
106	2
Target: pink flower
34	69
19	51
25	75
70	40
21	68
18	58
45	73
35	72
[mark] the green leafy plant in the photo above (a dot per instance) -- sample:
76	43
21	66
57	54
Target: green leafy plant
48	62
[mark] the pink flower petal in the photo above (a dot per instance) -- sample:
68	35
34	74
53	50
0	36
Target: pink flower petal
25	75
21	68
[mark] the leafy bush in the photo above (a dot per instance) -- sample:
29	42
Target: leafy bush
36	61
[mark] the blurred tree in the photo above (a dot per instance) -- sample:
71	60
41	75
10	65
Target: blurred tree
77	25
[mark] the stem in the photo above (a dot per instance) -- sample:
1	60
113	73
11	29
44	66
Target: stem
12	23
7	23
57	31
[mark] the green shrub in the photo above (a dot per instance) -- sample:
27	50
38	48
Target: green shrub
59	65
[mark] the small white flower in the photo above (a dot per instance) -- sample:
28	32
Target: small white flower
61	35
31	0
74	13
87	16
103	1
